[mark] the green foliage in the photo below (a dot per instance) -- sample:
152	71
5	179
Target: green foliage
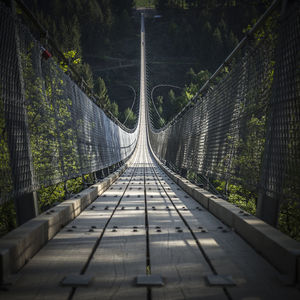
87	75
131	117
159	104
51	195
238	195
79	27
101	91
145	3
249	152
114	109
5	170
194	33
191	176
175	102
289	219
161	122
87	28
197	80
73	59
7	217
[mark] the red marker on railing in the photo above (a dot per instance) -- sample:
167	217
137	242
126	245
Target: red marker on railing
45	53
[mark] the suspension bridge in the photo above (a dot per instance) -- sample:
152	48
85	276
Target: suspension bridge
144	231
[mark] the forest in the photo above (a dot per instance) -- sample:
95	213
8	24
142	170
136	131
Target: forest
97	37
187	41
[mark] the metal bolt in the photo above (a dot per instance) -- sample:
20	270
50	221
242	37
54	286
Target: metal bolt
91	230
93	226
74	226
70	230
179	230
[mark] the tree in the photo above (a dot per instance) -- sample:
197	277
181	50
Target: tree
114	109
124	5
130	117
101	91
87	75
159	101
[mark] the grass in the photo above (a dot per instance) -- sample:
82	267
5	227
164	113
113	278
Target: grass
145	3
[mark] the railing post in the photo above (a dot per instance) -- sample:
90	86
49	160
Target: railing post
276	150
26	204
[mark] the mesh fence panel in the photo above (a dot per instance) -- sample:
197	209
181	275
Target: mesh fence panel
244	128
50	130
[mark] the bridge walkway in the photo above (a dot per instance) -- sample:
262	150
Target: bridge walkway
146	238
146	224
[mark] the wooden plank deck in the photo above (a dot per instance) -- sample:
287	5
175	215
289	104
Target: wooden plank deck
109	240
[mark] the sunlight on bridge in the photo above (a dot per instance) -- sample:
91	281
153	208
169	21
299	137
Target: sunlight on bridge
146	223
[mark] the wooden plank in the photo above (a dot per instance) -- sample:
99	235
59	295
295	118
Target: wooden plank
115	265
175	255
121	255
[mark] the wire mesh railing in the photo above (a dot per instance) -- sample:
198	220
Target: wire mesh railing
50	129
241	130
